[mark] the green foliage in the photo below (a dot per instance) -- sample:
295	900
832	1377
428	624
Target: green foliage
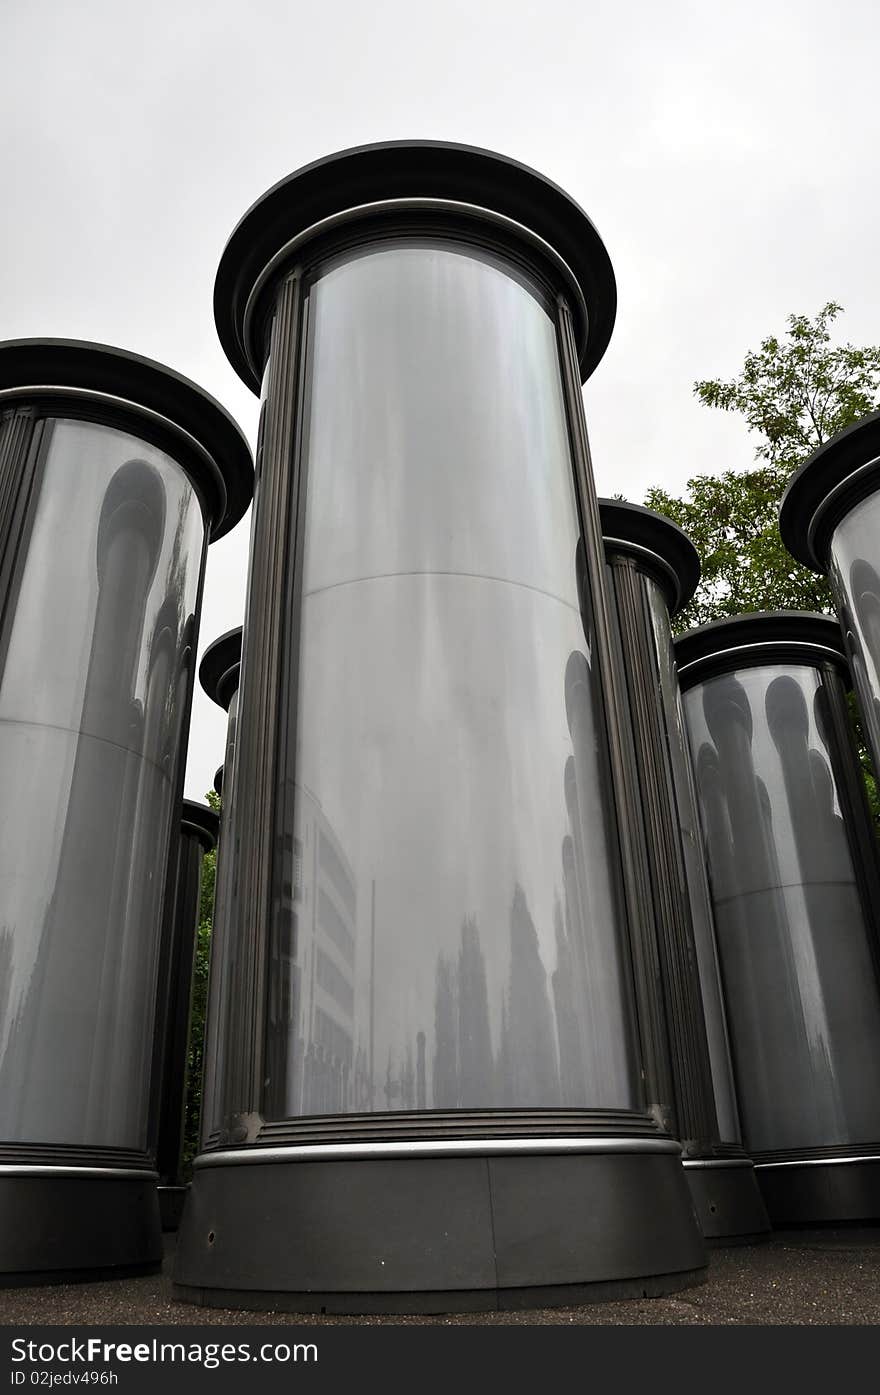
195	1061
793	393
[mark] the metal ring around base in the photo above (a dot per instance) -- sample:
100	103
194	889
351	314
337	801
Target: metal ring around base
432	1148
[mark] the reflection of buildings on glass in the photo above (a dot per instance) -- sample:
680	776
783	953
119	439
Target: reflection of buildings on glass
312	1064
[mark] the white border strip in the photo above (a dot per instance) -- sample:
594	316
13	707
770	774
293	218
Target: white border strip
433	1148
65	1170
717	1162
818	1162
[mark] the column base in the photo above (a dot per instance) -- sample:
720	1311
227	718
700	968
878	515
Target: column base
60	1226
171	1201
727	1200
435	1233
821	1192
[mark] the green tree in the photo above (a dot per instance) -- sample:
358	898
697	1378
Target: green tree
199	1002
794	393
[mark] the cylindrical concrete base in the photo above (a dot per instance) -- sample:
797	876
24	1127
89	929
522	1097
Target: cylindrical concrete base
437	1234
727	1200
57	1227
821	1192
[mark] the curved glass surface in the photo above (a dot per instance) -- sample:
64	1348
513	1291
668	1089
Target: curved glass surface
801	990
448	931
855	580
96	659
694	867
220	970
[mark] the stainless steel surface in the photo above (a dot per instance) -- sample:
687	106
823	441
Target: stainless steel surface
96	651
800	984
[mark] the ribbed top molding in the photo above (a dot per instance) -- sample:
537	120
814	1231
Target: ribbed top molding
762	637
832	481
201	821
415	183
70	377
219	669
656	543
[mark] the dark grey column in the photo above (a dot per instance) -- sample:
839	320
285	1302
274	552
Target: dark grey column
114	474
653	571
424	1039
219	673
830	521
197	836
795	886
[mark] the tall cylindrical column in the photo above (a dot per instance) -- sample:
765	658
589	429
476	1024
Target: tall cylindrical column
795	888
114	474
830	521
653	572
197	836
219	673
426	1060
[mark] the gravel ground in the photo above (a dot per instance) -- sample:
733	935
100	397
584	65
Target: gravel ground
803	1277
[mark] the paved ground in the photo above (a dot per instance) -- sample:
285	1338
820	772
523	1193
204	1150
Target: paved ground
812	1277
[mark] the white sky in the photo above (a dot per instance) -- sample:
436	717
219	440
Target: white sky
726	154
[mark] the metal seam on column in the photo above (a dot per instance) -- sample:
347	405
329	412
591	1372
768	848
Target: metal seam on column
82	734
782	886
465	1147
466	576
808	646
819	1162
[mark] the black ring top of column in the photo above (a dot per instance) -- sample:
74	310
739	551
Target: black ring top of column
478	181
822	491
761	637
656	543
201	821
219	669
218	780
75	378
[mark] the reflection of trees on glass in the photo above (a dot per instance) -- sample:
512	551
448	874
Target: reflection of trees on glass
799	982
567	1015
532	1047
475	1061
77	1058
753	929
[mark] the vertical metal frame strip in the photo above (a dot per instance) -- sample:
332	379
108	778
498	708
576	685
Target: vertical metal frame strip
244	911
693	1092
857	819
20	432
636	881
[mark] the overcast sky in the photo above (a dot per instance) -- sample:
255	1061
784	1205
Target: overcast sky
727	156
